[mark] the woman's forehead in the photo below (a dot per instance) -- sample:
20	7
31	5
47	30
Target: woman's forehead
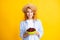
29	10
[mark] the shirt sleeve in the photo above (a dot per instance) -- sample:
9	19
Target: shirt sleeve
21	29
40	29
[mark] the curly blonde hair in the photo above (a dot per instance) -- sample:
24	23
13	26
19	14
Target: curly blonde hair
32	7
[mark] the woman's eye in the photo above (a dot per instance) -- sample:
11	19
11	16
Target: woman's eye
27	11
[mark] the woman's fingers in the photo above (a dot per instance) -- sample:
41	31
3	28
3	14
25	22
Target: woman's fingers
37	33
25	34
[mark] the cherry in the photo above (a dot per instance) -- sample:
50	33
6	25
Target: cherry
31	29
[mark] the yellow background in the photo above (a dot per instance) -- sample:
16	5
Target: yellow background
11	15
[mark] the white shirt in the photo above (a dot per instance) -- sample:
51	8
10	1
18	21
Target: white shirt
31	24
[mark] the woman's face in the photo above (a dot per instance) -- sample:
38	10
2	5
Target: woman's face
29	13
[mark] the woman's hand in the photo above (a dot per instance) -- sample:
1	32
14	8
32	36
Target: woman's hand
37	33
25	34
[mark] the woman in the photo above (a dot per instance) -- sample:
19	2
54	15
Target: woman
30	22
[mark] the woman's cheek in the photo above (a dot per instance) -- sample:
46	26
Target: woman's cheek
32	14
28	14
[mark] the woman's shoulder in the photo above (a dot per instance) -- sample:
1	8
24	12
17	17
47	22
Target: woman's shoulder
38	20
21	22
